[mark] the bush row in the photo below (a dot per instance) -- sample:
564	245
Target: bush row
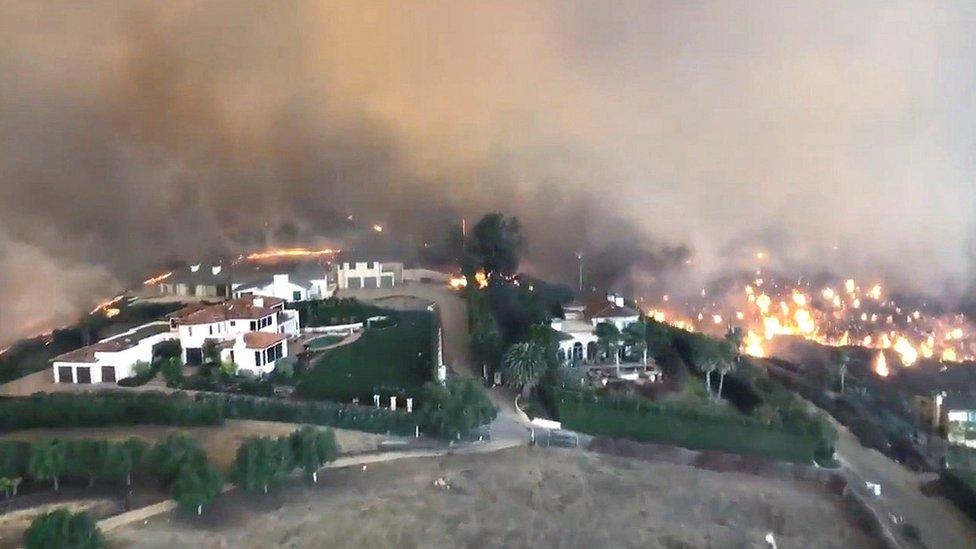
177	463
331	414
106	408
260	461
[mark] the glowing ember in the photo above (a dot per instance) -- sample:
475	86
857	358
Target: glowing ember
481	279
378	228
881	365
457	282
290	252
157	279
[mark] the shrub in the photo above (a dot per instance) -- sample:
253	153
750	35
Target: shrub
63	529
455	410
172	372
173	454
317	413
196	485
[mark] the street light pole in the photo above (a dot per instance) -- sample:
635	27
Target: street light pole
579	256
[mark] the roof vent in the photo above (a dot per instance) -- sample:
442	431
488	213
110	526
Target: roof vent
259	302
215	269
194	268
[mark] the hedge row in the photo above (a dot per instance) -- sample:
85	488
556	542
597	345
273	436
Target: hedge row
317	413
107	408
663	426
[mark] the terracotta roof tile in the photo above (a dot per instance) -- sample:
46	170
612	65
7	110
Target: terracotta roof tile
262	340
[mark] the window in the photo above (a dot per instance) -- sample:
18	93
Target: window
233	323
258	358
211	329
189	331
369	264
296	296
254	326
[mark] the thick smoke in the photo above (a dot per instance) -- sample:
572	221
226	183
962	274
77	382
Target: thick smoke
641	134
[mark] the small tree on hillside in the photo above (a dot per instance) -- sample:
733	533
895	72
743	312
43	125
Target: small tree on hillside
313	448
48	461
196	485
255	466
87	457
62	529
121	459
170	456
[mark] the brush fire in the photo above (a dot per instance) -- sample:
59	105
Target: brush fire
286	253
847	313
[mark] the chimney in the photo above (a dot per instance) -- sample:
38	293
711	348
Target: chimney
258	302
619	302
215	269
194	268
611	298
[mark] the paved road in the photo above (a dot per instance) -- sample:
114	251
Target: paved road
939	522
452	309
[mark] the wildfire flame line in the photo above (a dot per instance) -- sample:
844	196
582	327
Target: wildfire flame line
289	252
157	279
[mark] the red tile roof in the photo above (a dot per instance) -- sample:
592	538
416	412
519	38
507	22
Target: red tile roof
241	308
262	340
598	306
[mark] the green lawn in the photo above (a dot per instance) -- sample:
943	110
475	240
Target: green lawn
387	361
696	434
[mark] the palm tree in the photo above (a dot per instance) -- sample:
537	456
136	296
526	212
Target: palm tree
523	365
843	359
724	367
734	337
708	366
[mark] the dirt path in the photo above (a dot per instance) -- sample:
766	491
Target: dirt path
939	522
514	498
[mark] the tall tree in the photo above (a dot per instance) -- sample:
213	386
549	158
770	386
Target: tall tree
48	461
734	337
635	336
843	359
523	365
494	245
724	367
608	338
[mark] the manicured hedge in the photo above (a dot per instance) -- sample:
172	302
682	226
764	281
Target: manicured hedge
726	433
106	408
331	414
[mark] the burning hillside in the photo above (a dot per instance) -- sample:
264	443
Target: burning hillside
835	313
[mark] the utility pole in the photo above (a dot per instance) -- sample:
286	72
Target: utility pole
579	256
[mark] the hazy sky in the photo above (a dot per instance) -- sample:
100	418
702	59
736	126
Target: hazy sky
134	131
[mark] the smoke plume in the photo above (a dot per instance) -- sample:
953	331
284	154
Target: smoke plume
653	137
